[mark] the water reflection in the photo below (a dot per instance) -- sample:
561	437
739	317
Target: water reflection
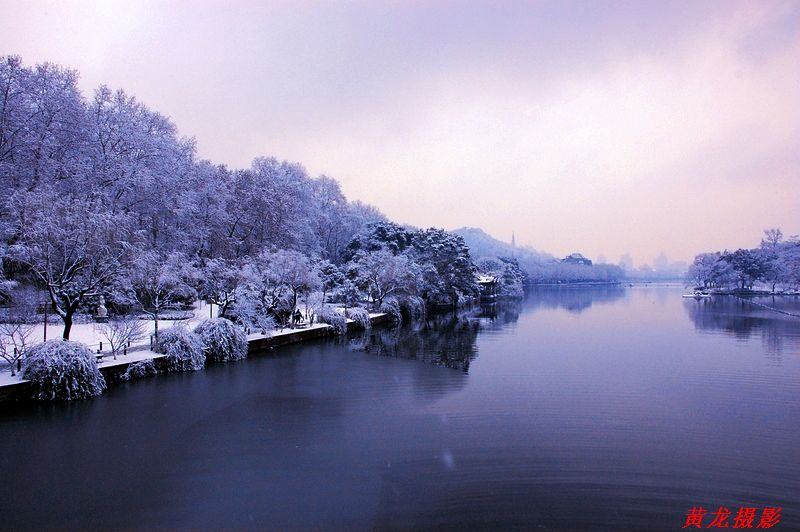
620	418
497	316
740	319
445	339
178	451
575	299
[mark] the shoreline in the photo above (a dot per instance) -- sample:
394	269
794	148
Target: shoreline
256	345
751	293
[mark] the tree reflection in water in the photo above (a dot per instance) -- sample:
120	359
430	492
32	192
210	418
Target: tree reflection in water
738	318
444	339
574	299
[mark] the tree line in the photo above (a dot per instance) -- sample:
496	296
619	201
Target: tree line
538	267
103	199
775	263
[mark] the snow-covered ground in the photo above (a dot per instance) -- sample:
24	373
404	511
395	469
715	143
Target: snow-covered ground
91	335
6	378
280	332
107	361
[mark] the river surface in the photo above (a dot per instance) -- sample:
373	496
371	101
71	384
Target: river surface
608	408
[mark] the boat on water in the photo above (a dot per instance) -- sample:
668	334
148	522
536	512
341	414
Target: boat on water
697	294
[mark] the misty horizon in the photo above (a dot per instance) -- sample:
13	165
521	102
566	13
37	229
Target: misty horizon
605	129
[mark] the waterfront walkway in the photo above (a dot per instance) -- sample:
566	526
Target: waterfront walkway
12	386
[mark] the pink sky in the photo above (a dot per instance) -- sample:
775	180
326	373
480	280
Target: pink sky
606	128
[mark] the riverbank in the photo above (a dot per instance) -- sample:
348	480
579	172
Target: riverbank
16	388
739	292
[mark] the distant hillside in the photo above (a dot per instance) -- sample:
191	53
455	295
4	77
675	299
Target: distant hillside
484	245
540	267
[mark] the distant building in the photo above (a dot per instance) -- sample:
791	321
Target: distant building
661	263
488	286
576	258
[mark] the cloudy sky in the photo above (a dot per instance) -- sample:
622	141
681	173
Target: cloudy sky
600	127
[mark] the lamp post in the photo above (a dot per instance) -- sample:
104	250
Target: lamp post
45	322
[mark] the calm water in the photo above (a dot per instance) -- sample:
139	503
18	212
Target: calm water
576	409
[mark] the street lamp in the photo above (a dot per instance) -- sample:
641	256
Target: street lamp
45	321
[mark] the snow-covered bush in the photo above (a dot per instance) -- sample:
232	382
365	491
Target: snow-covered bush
334	318
361	317
391	307
222	340
139	370
412	307
249	313
62	370
184	349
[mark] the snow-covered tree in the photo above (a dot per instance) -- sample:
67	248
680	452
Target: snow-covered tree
312	305
412	307
75	251
86	181
121	332
380	235
250	312
391	307
449	256
43	131
203	210
278	278
791	264
156	282
296	272
15	339
444	271
746	265
348	292
772	238
510	277
330	277
6	285
776	262
382	274
220	281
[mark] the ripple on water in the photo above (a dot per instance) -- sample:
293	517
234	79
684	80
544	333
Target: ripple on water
582	409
